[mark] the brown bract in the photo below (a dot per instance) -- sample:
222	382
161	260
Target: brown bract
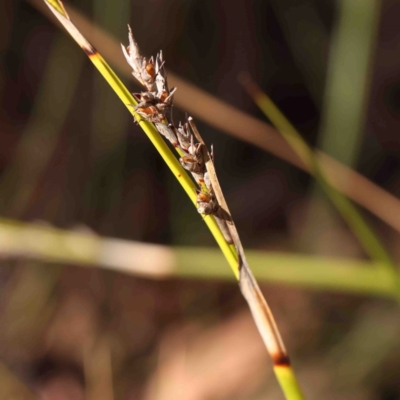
142	69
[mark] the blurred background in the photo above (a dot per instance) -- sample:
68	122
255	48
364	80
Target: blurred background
74	165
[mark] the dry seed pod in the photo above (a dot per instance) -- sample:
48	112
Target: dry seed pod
191	164
143	70
145	99
161	75
150	114
165	99
184	137
206	203
152	106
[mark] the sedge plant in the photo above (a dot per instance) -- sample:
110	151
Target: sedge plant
235	122
151	110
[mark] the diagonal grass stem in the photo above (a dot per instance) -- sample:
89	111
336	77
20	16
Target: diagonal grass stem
349	212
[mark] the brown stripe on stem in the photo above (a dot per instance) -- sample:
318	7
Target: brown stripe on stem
89	50
282	360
